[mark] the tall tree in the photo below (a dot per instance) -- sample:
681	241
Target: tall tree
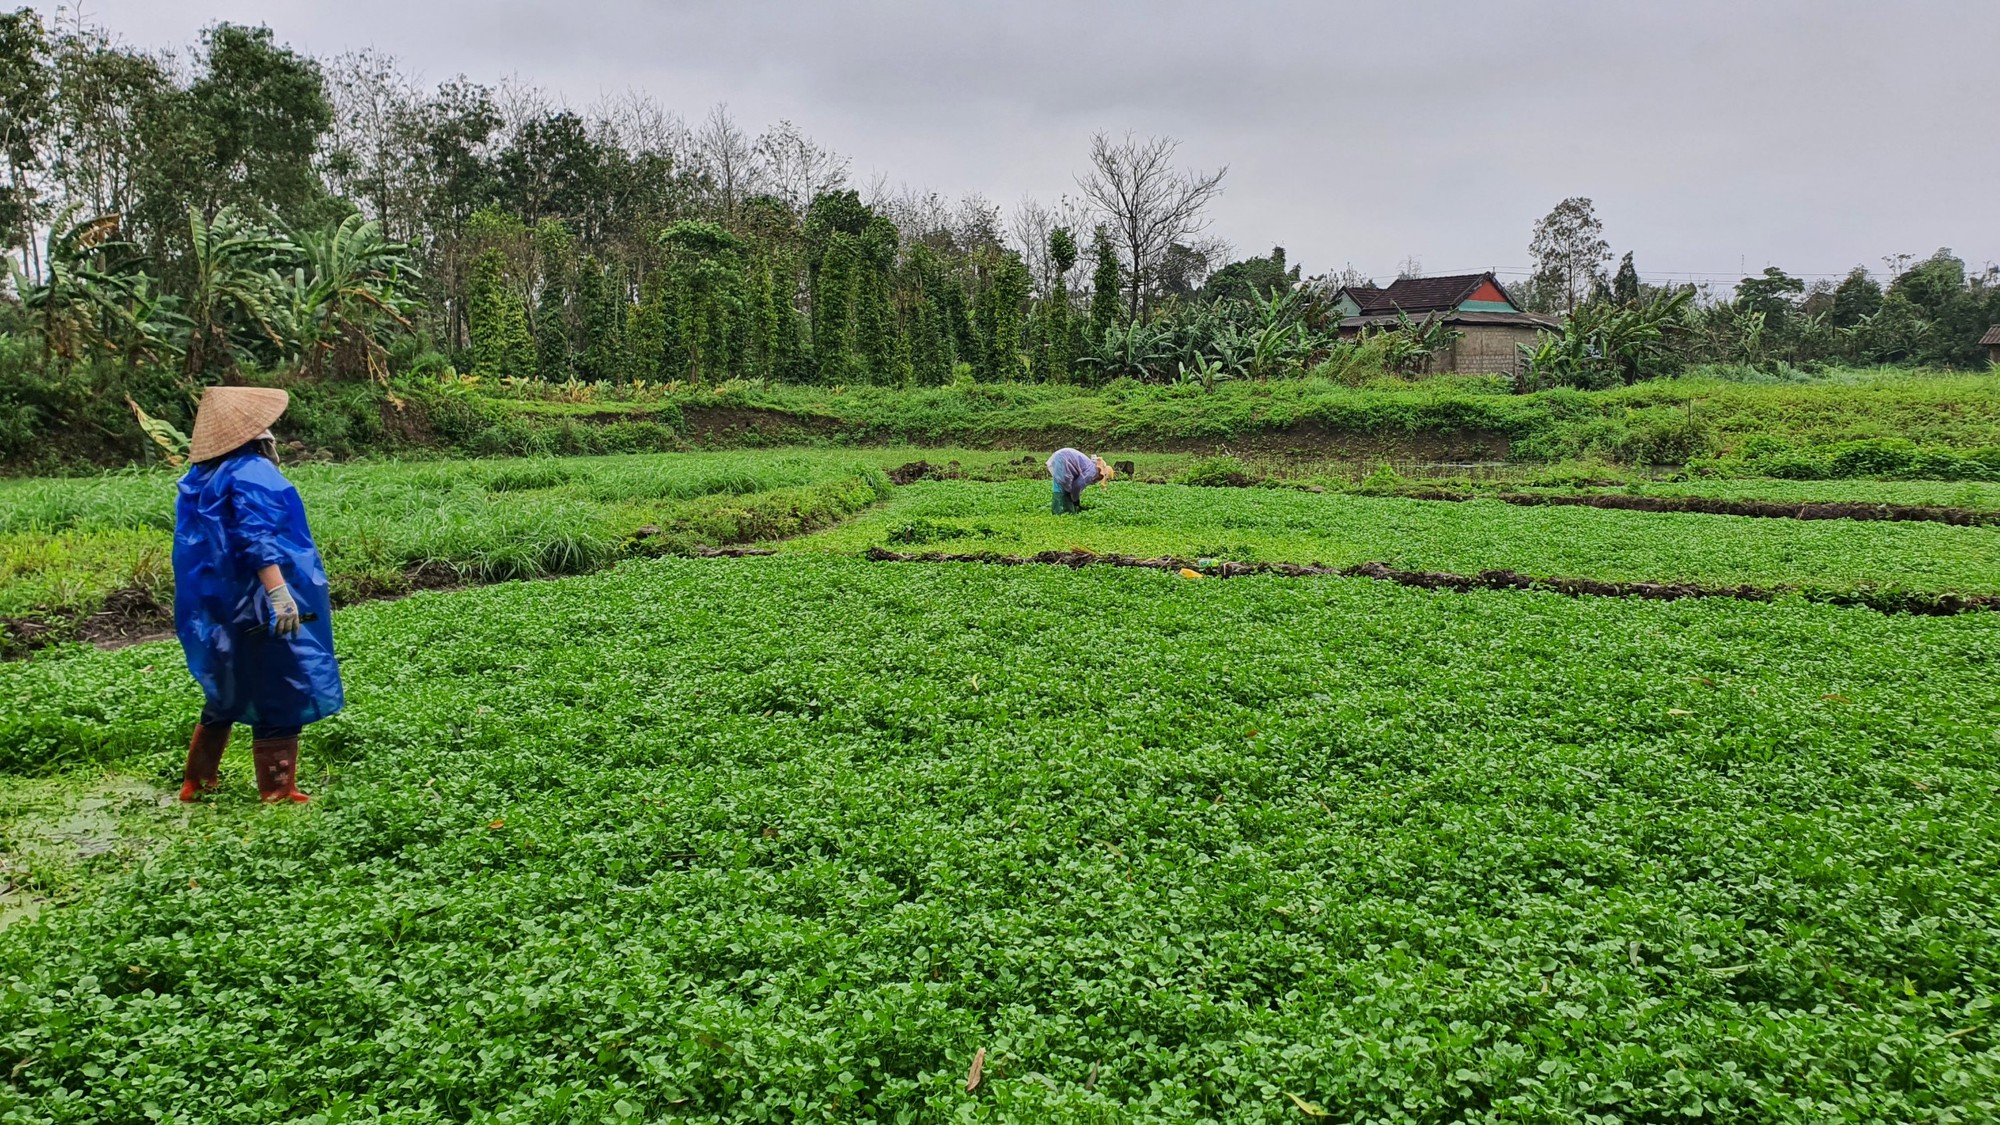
1148	204
706	262
497	320
261	110
1052	351
834	229
998	314
1104	285
27	83
554	169
1625	286
874	309
556	259
1855	299
103	100
652	333
1772	294
729	159
601	301
1569	245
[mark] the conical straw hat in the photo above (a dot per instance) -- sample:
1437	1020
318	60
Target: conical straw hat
230	416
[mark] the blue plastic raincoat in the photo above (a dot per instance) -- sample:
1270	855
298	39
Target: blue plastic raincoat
234	517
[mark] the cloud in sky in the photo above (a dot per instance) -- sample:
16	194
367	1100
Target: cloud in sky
1714	135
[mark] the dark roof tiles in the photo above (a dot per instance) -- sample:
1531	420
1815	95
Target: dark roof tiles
1467	318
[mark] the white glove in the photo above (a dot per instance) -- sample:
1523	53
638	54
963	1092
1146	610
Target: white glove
284	609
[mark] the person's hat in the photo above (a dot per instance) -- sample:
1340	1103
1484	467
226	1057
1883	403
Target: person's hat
230	416
1104	472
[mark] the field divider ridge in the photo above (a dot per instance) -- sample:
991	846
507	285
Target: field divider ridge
1717	506
1883	601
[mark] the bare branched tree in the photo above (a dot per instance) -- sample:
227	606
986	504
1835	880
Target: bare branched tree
519	102
975	223
729	158
1030	226
1346	276
1147	204
877	194
636	123
362	156
921	216
795	168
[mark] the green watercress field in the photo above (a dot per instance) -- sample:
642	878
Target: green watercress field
795	838
67	544
1259	524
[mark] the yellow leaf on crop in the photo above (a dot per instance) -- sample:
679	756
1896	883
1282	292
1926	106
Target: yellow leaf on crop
498	822
1306	1107
1186	573
977	1072
1678	711
1837	698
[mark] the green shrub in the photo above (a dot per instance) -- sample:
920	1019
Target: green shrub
1666	438
1217	472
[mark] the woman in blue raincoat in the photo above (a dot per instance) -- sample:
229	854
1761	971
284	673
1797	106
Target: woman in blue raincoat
250	596
1072	471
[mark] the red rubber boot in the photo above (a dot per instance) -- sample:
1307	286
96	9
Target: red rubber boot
204	764
277	769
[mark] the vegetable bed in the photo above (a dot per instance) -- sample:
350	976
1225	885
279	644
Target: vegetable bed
1282	525
800	837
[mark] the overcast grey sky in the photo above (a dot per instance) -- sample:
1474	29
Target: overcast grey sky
1713	134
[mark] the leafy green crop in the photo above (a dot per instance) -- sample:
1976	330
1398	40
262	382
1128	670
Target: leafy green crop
795	838
1467	537
66	544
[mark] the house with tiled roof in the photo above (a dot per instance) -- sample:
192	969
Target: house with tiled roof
1992	342
1490	323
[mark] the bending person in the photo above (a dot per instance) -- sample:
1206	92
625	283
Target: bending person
1072	471
250	596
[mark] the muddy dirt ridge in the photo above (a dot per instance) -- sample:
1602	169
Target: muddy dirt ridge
1714	506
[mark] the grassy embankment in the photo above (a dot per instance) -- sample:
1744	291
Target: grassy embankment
1951	422
1790	430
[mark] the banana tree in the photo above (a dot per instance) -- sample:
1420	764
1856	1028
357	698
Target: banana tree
1135	351
1411	343
81	305
350	290
236	301
1276	348
1204	372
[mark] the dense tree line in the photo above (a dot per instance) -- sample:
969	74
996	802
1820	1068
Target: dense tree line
1618	329
182	210
242	207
